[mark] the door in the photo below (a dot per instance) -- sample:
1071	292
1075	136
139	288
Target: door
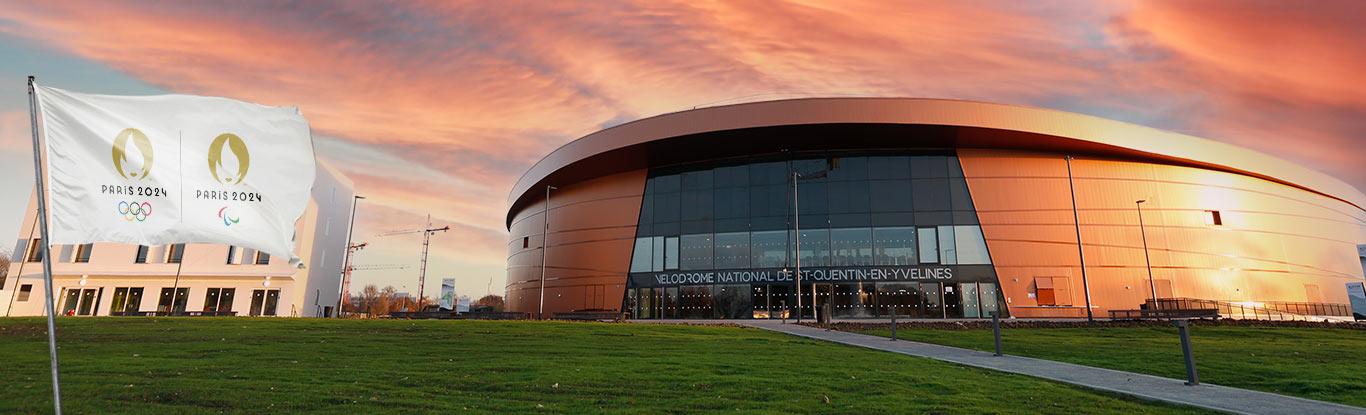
971	303
258	299
953	301
821	294
990	297
931	300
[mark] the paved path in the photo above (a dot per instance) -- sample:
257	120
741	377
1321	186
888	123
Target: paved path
1219	398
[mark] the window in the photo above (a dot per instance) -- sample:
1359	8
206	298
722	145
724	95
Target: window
35	250
695	252
262	258
851	246
732	250
670	252
83	252
642	254
948	248
141	257
971	247
526	242
232	255
170	304
894	246
219	300
24	291
264	302
1212	217
768	249
929	245
175	253
127	300
814	247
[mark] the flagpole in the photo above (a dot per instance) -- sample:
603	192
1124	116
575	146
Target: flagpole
47	252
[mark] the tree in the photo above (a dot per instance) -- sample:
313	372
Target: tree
492	300
4	267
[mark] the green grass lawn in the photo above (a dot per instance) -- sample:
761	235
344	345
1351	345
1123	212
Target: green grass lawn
203	365
1327	364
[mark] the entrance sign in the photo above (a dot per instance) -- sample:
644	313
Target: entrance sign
155	170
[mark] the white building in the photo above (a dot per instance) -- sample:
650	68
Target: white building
105	279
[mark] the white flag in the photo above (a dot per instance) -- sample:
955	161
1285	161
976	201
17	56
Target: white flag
165	169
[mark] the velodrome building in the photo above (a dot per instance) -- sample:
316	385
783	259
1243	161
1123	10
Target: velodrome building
932	208
108	279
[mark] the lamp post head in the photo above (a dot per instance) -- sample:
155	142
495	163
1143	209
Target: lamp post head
1139	201
359	197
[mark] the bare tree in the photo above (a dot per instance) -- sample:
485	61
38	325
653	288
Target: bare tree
4	267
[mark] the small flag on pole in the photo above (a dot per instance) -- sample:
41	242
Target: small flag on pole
154	170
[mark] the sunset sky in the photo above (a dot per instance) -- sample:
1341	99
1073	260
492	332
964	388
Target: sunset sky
437	107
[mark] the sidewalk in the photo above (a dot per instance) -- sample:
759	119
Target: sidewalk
1219	398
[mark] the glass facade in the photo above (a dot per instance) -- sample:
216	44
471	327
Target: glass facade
871	233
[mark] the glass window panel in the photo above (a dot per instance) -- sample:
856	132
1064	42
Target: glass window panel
695	252
959	197
134	300
890	196
666	207
774	173
810	167
120	299
971	246
642	255
657	256
812	197
971	305
696	180
894	246
670	252
955	168
893	219
948	250
929	245
731	202
211	300
733	301
733	176
770	200
929	166
732	250
897	167
988	295
902	297
930	194
769	249
849	197
851	247
814	247
849	169
850	220
852	300
934	218
666	184
647	214
696	205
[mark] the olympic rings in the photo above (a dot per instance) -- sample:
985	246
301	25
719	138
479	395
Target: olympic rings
135	211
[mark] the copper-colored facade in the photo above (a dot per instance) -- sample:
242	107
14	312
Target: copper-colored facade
1285	233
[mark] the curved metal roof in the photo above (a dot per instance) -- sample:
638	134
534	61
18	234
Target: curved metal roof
1082	131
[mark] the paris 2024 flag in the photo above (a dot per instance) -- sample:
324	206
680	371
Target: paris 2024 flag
165	169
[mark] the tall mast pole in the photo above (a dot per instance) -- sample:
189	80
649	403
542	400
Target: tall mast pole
47	251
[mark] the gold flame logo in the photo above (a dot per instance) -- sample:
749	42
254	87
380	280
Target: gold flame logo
137	164
230	166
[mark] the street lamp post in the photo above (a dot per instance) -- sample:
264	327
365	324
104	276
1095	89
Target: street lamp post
346	261
545	250
1144	234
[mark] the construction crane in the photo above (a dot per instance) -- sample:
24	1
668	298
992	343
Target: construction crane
426	242
346	273
376	267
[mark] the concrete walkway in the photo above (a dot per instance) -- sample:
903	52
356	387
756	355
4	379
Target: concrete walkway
1218	398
